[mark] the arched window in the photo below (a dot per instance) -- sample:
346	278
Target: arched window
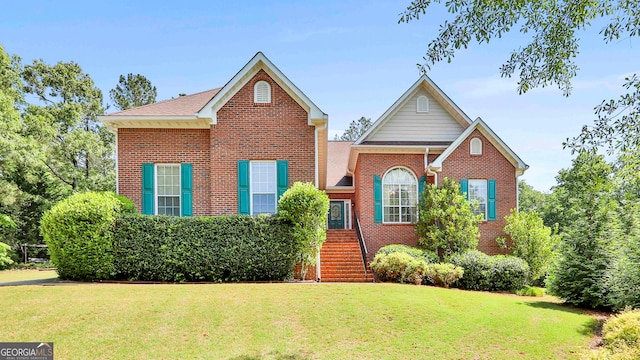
400	196
475	146
262	92
423	104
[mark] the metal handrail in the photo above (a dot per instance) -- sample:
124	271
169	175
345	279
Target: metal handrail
363	247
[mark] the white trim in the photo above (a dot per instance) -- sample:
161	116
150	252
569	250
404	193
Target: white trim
415	178
476	140
257	63
492	137
426	107
155	187
486	195
256	94
425	81
346	207
275	174
317	150
116	158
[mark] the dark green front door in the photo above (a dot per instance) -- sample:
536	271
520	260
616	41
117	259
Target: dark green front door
336	215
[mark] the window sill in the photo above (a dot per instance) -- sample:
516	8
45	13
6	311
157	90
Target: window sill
399	223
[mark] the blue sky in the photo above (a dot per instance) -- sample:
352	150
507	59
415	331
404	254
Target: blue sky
350	57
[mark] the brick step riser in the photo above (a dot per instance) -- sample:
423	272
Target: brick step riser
346	280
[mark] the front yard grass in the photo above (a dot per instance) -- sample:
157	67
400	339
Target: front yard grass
291	321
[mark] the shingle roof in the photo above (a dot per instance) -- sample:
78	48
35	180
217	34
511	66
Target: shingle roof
337	161
180	106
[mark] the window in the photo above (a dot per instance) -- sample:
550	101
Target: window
475	146
263	187
262	92
168	189
478	197
423	104
400	196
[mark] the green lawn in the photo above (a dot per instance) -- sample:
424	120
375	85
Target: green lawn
290	321
25	275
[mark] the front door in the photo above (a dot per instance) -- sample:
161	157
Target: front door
336	215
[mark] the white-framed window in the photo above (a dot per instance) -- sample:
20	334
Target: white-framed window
399	196
422	104
478	197
263	187
475	146
168	189
262	92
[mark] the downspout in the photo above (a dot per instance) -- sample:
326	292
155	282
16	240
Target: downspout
318	128
117	179
318	271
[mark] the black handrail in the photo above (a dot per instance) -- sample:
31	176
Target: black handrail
363	247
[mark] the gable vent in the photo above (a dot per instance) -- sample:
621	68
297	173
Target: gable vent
423	104
262	92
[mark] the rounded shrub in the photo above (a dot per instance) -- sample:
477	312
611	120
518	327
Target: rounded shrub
126	205
78	231
477	270
417	253
398	267
444	274
623	330
491	273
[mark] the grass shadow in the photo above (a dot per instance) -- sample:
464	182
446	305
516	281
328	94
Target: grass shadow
592	327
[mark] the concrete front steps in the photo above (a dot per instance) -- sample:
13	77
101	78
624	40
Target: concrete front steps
341	259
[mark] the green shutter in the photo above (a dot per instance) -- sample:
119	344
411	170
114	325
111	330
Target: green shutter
187	189
464	188
283	176
377	199
421	184
148	207
491	199
243	187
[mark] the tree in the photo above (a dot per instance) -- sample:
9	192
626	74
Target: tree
530	240
446	223
355	130
131	91
77	149
623	278
585	253
549	56
530	199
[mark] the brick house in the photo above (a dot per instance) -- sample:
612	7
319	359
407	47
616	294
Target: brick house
236	149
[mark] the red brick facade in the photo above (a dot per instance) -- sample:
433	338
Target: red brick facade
164	146
244	131
378	235
490	165
250	131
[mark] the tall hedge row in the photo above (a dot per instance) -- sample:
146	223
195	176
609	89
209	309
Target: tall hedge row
230	248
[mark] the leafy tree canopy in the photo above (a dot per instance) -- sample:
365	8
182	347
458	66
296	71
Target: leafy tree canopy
131	91
548	56
355	130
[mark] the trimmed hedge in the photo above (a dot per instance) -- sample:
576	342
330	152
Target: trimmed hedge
217	249
416	253
490	273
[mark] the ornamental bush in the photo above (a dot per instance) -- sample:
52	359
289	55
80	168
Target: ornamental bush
446	223
398	267
620	338
418	254
490	273
79	233
306	207
216	249
530	241
444	274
